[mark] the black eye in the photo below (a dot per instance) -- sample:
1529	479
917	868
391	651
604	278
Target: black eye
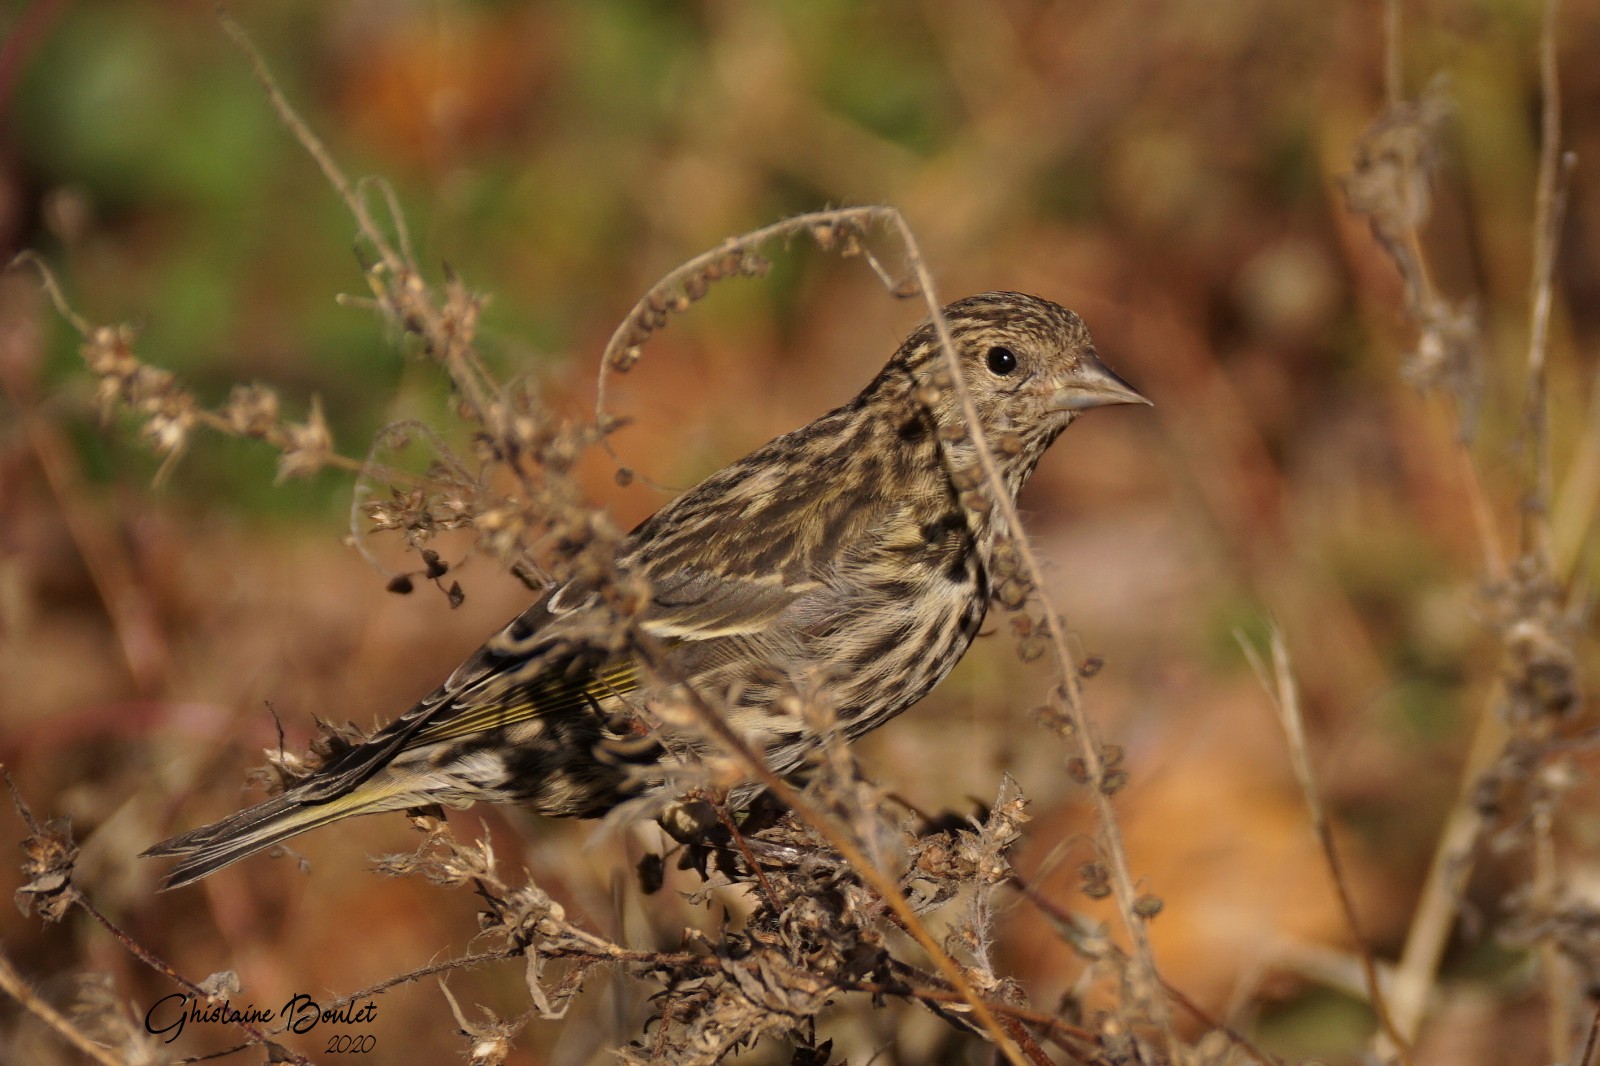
1001	361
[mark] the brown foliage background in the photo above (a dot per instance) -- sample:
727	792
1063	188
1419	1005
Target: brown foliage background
1168	169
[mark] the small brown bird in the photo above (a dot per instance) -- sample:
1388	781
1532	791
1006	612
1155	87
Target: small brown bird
844	546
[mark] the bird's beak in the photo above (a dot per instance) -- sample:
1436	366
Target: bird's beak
1093	384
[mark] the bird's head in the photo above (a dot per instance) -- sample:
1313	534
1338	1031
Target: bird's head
1028	364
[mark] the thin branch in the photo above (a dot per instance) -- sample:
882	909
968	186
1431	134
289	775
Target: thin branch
1285	694
1451	866
313	145
687	282
1591	1043
840	839
161	966
1393	78
1069	927
1555	971
1071	688
395	278
14	985
1550	209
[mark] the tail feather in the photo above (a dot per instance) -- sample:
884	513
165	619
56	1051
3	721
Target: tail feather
211	847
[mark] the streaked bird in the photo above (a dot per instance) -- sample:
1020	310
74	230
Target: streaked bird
847	546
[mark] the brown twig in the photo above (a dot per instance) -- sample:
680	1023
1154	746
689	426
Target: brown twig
1070	687
1591	1043
744	850
839	838
161	966
1550	209
1068	926
621	351
74	896
1393	75
1454	853
14	985
1278	680
127	604
395	277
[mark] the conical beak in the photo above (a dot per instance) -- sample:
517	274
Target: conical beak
1093	384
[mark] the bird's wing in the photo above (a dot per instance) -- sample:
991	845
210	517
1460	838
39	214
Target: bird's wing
538	665
692	604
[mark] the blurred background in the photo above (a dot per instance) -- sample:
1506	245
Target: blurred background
1167	168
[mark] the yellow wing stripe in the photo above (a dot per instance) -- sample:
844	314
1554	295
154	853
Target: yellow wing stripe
550	698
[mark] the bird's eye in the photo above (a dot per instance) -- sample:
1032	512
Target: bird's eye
1001	361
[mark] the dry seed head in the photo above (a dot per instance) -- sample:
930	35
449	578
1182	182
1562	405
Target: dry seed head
1058	722
490	1050
306	446
1013	593
251	410
1031	649
1096	881
976	502
169	430
1113	781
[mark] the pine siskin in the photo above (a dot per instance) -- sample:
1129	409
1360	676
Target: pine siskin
844	546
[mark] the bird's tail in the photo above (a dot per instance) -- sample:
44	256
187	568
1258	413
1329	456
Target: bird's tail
211	847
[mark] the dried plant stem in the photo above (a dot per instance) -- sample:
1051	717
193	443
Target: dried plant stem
313	145
674	280
1393	74
669	292
133	617
1429	931
1069	927
743	847
629	334
1280	684
1494	559
74	896
465	963
1550	546
395	277
14	985
1153	1005
1550	208
842	841
1591	1043
1554	968
161	966
1576	506
1025	1041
